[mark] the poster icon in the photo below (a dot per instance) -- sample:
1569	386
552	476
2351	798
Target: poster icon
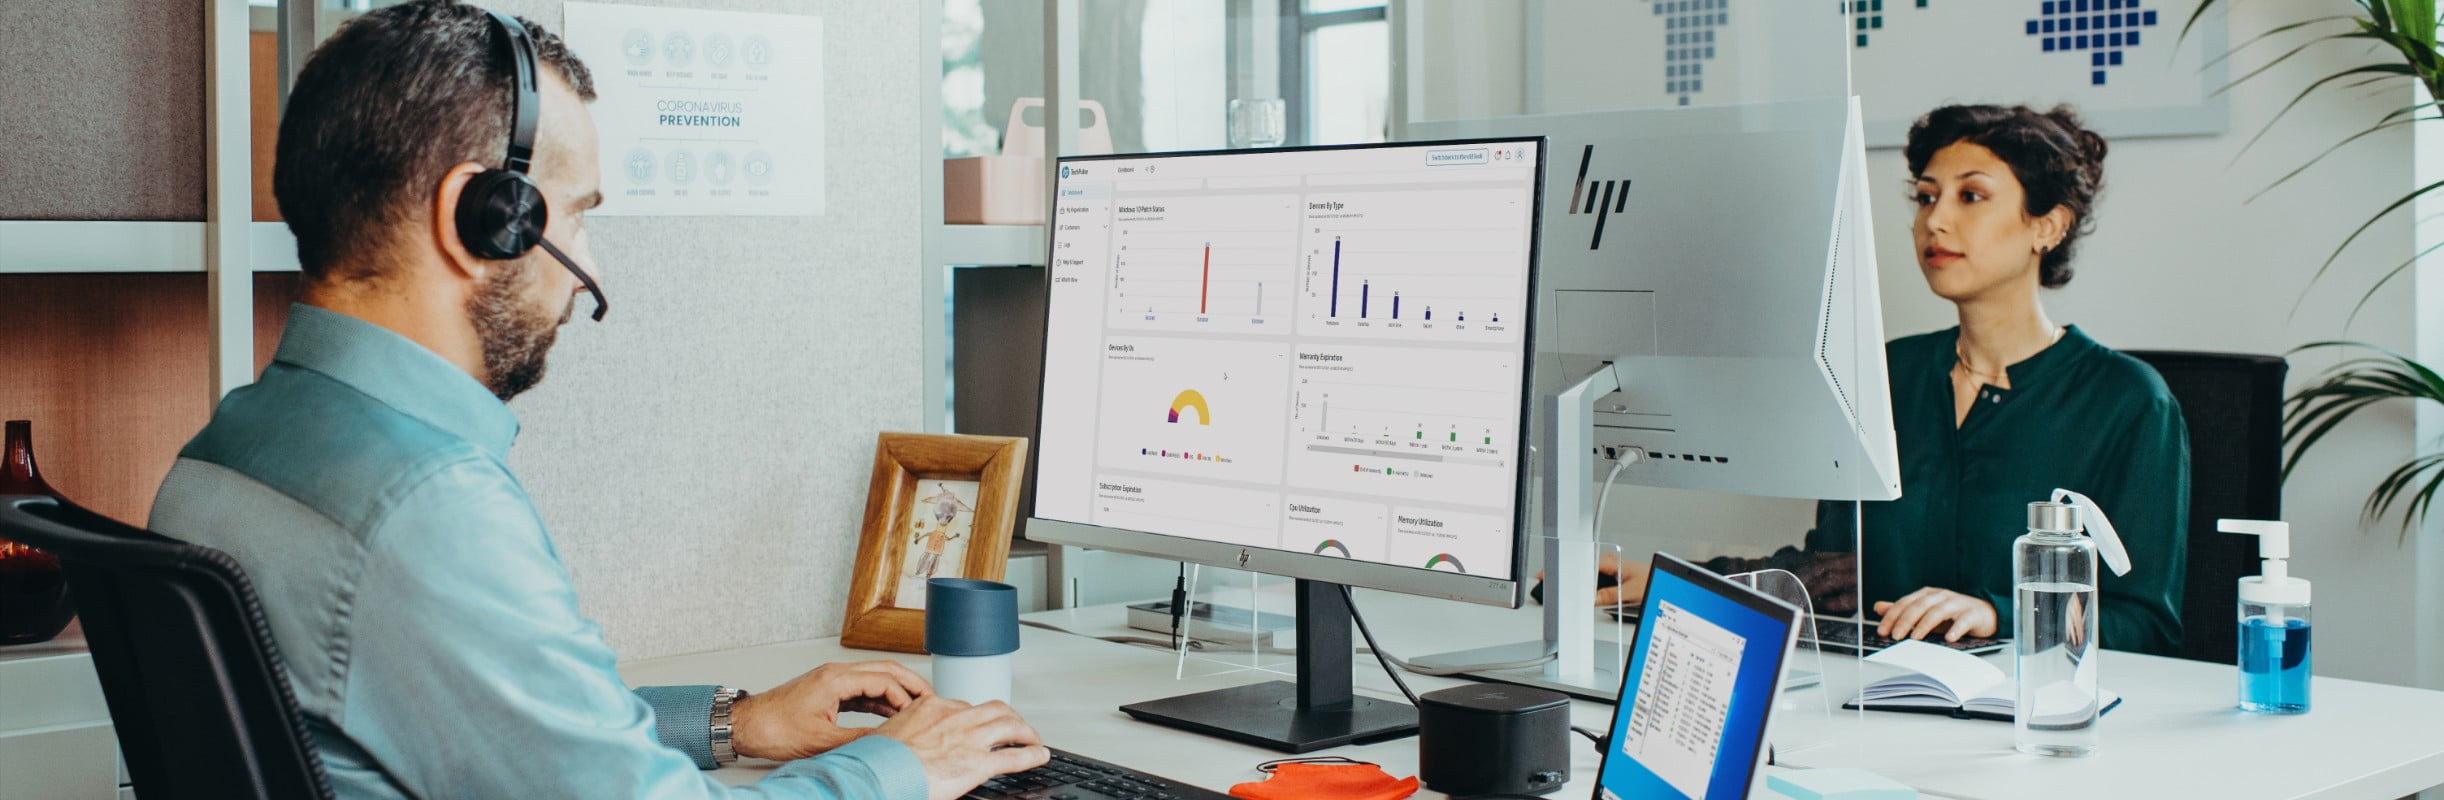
679	48
637	46
640	166
758	167
681	167
757	53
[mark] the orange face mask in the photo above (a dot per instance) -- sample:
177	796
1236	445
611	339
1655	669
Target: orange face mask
1327	782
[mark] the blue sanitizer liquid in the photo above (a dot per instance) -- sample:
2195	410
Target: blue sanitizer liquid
2274	661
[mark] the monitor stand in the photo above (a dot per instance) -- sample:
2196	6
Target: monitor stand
1582	665
1317	712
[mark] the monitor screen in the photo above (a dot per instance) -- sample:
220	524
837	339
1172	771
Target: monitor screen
1701	682
1321	351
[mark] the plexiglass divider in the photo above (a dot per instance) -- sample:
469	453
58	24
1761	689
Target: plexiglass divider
1763	544
1239	622
1803	709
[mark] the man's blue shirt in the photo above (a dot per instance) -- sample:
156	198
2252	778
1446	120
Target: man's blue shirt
431	633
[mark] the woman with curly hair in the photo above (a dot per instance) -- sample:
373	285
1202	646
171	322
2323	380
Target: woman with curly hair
2002	409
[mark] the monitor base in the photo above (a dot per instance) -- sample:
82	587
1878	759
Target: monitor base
1267	715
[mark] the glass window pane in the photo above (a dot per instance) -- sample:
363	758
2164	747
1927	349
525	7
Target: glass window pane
1349	82
966	131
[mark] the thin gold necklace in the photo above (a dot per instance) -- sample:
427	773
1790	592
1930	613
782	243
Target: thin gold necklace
1960	358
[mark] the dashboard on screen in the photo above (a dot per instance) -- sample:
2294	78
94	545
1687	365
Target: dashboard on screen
1321	351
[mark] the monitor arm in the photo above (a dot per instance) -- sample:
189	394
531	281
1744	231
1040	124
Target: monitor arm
1568	452
1569	658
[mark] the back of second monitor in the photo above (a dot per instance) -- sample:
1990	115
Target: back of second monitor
1721	259
1716	266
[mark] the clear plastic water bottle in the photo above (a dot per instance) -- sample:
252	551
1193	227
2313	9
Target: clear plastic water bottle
2054	638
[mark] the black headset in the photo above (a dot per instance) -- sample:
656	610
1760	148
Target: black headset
501	213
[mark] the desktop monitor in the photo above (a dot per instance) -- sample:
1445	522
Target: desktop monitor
1701	685
1708	313
1722	260
1308	362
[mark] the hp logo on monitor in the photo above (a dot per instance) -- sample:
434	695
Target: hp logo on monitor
1598	200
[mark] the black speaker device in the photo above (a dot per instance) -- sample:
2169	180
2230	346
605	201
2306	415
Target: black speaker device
1493	739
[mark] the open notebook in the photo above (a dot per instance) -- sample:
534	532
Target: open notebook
1942	680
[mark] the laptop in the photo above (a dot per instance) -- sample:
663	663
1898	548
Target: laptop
1698	690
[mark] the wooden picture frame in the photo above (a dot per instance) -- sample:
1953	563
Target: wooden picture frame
886	596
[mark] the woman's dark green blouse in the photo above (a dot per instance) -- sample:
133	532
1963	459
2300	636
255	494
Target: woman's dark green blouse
2078	416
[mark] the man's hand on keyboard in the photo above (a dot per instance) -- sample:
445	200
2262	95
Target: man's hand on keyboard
802	717
962	745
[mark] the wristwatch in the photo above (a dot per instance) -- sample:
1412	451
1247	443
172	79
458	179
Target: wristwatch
725	699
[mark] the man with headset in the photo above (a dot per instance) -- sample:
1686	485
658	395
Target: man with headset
436	162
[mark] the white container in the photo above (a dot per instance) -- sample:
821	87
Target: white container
1008	189
973	679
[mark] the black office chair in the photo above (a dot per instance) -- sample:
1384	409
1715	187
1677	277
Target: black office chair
2233	403
197	692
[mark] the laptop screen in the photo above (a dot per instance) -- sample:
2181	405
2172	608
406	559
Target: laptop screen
1700	684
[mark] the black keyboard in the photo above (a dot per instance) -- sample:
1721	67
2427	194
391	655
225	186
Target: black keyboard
1843	636
1070	776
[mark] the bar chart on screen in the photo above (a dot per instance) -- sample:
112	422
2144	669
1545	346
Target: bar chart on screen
1229	272
1404	422
1431	266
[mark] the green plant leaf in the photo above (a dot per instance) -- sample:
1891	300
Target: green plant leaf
2391	487
2415	12
2287	56
2279	30
2363	228
2398	69
2417	510
2337	146
2194	16
2390	490
2350	386
2412	108
2324	419
2390	274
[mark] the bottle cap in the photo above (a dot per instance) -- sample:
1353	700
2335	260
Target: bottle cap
2275	587
2261	590
966	617
2053	517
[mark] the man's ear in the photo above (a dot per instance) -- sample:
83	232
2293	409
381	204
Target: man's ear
445	221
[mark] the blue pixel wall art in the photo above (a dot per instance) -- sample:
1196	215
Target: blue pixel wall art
2121	62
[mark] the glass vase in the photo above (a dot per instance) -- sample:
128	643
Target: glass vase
34	604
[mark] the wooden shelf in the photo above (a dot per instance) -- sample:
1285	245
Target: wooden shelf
45	247
112	370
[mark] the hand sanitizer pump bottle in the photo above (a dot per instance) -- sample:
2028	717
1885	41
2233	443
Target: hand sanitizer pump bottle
2274	656
2054	638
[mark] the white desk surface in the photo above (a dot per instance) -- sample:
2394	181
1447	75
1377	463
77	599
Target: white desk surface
2176	735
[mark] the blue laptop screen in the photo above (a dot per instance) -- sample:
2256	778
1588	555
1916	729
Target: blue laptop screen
1693	707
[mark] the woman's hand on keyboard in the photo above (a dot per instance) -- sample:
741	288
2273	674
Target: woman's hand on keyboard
1920	613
